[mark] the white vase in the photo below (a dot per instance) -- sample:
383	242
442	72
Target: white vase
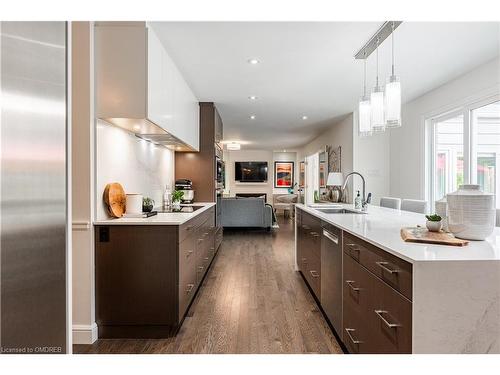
433	226
133	204
471	213
176	205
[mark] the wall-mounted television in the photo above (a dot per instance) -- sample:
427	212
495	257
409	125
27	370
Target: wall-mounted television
250	171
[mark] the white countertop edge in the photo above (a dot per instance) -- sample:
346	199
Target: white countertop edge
330	218
177	218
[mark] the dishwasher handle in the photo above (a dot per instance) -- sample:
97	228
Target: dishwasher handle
332	237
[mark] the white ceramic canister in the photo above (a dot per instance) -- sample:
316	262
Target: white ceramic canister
134	204
471	213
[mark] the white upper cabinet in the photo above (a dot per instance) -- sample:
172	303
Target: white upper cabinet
138	85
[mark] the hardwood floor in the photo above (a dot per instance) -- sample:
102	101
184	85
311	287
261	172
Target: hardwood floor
252	301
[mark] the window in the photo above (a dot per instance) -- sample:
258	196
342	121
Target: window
465	148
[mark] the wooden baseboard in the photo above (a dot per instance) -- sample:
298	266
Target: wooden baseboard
84	334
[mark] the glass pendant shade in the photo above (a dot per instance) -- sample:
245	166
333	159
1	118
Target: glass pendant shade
393	102
364	113
377	110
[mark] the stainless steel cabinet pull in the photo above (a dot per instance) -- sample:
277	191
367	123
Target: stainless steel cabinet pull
381	316
353	246
350	283
332	237
304	260
306	227
189	253
189	227
383	265
205	258
200	268
314	273
314	234
189	288
354	341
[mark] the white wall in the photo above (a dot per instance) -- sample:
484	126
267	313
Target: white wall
407	156
139	166
234	187
338	134
372	159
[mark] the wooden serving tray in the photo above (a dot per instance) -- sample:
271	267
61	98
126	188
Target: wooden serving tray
115	199
422	235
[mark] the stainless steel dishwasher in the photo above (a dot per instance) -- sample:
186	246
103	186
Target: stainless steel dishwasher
331	275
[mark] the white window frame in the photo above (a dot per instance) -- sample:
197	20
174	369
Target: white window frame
468	143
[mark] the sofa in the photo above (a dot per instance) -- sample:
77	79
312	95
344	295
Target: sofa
246	212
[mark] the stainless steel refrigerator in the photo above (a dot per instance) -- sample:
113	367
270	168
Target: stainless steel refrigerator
33	220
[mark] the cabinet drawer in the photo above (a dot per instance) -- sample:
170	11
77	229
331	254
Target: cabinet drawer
389	318
312	273
187	249
394	271
356	303
187	282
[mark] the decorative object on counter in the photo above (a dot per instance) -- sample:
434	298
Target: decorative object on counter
115	199
316	197
142	215
134	204
176	199
185	185
434	223
335	181
147	204
167	197
422	235
292	188
283	174
471	213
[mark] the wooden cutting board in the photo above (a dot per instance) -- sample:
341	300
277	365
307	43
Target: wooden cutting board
422	235
115	199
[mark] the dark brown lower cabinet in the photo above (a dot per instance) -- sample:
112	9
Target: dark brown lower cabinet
375	286
147	275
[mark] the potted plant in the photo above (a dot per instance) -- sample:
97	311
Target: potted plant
147	204
176	199
434	223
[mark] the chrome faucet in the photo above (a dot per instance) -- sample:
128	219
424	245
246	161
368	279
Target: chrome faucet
364	203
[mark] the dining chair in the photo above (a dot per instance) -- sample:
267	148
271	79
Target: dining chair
414	205
389	202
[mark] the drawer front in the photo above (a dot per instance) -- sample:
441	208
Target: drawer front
312	273
187	282
187	249
219	233
356	304
394	271
389	318
190	226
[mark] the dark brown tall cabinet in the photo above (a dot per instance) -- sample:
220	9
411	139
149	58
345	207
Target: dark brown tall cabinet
200	167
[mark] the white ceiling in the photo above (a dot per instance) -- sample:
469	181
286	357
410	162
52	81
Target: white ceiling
307	68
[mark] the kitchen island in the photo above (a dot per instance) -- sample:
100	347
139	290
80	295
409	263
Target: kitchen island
400	297
148	270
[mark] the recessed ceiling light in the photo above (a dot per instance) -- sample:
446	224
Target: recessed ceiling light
137	127
252	97
252	117
304	117
253	61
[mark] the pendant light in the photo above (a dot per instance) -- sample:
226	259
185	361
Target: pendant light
364	109
377	104
393	95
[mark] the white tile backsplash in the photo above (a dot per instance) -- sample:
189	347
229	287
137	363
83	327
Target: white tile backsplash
139	166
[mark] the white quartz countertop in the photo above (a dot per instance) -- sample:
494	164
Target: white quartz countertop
381	227
173	218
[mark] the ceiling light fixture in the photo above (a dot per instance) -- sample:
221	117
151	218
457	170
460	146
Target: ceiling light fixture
137	127
252	117
252	97
304	117
233	146
364	109
380	109
393	95
377	103
253	61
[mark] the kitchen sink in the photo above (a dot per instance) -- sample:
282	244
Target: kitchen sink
332	210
